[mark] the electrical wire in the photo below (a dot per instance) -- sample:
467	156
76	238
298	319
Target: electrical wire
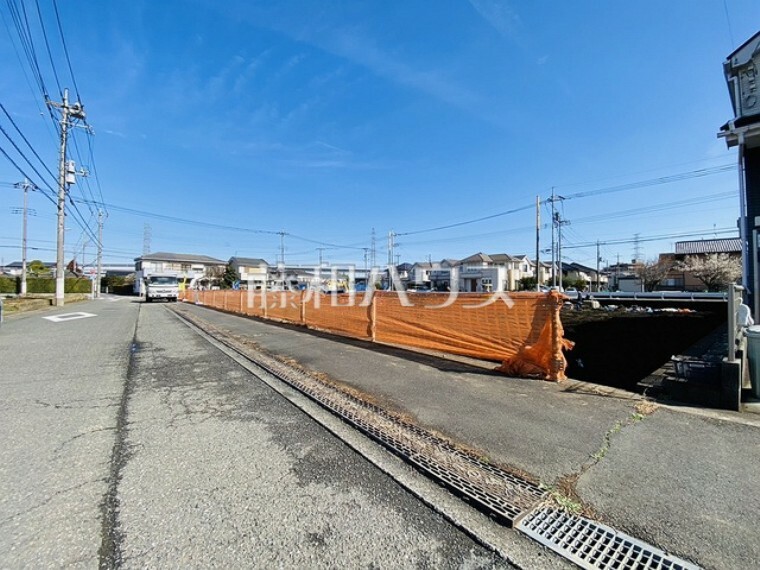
18	130
30	178
47	46
716	231
66	49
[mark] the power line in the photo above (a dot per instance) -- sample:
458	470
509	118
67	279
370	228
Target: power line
23	173
199	223
681	176
65	49
588	219
47	46
18	130
655	181
178	220
716	231
457	224
327	244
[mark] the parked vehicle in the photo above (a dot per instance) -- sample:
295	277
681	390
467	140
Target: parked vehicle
161	287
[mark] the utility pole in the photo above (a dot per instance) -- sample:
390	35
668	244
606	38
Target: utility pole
25	186
282	257
557	223
84	252
319	271
598	260
100	253
391	245
73	112
373	250
560	223
282	247
559	248
538	243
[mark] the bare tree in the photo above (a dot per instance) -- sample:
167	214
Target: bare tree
715	270
652	272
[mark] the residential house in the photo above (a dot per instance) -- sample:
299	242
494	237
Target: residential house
421	272
496	272
622	277
678	280
544	272
14	268
200	270
442	276
578	272
252	272
479	274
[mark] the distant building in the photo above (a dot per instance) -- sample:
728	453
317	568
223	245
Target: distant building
14	268
252	272
190	268
577	272
483	273
441	277
677	280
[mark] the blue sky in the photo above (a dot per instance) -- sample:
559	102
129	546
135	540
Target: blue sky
327	119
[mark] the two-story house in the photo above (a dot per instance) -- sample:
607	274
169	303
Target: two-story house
578	272
442	276
189	268
485	273
252	272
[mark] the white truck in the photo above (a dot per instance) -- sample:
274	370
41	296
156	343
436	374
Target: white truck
161	286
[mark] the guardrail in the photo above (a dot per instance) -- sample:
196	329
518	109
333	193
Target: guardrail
661	295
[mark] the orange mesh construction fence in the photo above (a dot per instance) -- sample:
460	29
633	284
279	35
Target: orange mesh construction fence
521	330
344	314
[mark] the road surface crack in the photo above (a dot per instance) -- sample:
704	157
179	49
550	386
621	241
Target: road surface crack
110	552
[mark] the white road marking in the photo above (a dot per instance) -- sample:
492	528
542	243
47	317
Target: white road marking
68	317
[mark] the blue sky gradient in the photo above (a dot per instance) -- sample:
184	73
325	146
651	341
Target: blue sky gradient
328	119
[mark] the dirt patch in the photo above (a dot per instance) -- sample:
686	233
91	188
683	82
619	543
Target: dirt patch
619	349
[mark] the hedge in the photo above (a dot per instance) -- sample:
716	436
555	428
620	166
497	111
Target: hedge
8	285
44	285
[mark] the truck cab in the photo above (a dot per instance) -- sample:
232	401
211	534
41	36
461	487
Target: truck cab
161	286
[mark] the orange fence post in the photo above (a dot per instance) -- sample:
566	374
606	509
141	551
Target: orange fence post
302	307
373	316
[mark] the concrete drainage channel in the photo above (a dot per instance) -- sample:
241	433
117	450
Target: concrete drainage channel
513	500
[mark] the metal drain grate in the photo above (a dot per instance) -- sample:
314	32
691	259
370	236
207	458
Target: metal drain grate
595	546
517	496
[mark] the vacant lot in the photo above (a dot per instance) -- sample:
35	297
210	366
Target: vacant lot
620	348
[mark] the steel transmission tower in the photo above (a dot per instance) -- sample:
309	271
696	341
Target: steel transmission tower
147	234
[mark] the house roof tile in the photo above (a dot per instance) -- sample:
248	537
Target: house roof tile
730	245
180	257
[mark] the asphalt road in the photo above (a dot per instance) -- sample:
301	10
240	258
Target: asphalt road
130	441
684	480
61	384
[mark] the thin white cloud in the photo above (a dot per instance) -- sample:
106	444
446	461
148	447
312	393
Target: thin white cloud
500	16
357	48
